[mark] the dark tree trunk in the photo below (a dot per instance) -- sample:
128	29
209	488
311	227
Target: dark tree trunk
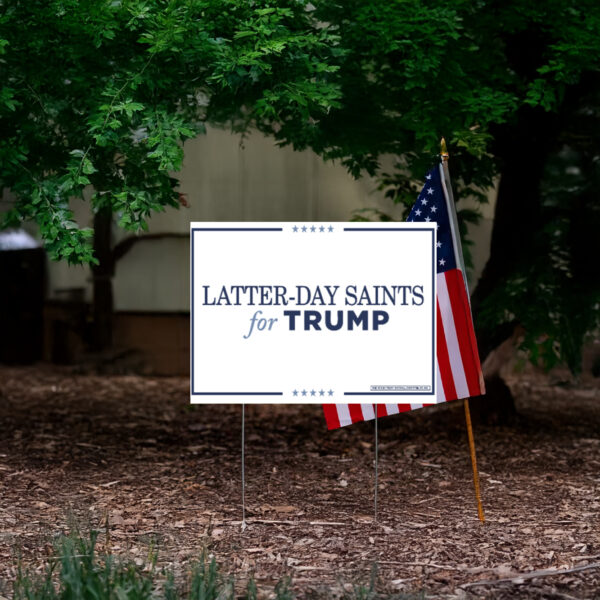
103	273
523	150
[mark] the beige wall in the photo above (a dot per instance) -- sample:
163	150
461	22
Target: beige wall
226	181
481	233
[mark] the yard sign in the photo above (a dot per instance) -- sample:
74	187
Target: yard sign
313	312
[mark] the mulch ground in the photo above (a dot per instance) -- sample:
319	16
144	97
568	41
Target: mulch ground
83	448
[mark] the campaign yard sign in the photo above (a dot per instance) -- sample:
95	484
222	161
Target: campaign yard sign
313	312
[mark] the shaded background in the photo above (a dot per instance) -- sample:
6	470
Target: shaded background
224	178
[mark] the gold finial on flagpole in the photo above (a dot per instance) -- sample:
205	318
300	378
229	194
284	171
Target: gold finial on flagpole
444	150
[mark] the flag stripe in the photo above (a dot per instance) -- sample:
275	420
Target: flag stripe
451	337
441	394
367	411
355	413
382	410
443	360
331	416
463	324
476	364
344	414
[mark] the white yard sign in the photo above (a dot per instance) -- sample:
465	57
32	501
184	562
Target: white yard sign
313	312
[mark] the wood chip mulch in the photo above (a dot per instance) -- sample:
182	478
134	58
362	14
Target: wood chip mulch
81	449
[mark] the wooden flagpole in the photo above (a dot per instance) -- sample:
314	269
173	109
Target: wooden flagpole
473	460
444	155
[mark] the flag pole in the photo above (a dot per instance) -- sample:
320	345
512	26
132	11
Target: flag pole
452	210
452	213
473	460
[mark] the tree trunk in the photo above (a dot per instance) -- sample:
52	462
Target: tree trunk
523	150
102	274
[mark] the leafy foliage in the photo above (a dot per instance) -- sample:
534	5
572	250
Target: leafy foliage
103	94
412	72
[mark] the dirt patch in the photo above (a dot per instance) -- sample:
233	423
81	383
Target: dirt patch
131	448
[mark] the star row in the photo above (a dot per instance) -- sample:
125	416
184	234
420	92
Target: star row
312	229
312	393
418	211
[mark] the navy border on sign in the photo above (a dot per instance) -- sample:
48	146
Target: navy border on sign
346	229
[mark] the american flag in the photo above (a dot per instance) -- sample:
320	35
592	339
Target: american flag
458	369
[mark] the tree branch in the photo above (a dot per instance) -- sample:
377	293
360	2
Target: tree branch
126	244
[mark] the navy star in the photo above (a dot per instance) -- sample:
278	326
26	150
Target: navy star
313	228
330	392
321	392
321	229
330	229
304	392
303	228
295	229
312	392
295	392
